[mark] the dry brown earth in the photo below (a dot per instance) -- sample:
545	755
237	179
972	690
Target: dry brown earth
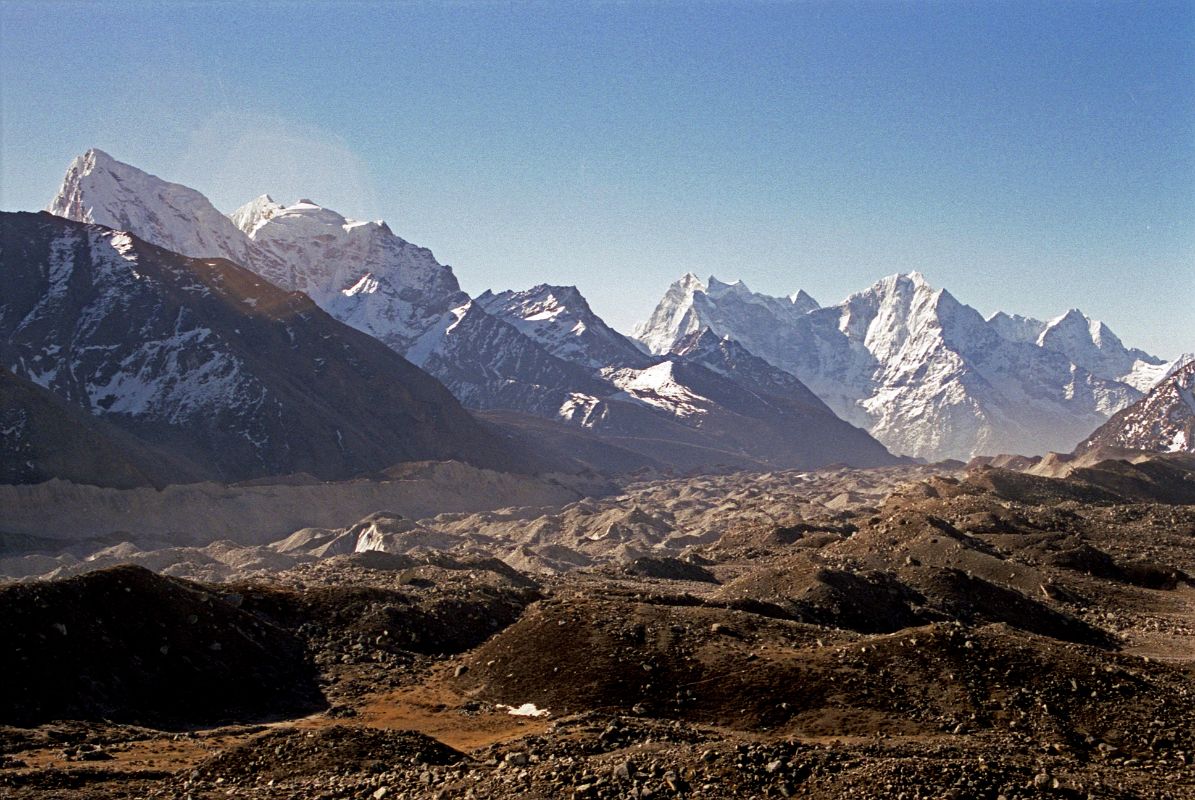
994	635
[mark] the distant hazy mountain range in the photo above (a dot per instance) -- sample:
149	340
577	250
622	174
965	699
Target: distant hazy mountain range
185	328
927	375
542	353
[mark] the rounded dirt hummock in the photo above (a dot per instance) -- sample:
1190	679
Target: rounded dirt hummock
127	645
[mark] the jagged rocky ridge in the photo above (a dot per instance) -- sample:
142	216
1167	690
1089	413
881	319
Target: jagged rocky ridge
542	352
561	321
1163	421
213	364
927	375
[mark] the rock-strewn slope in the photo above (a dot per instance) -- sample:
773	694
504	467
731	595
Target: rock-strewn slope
967	635
128	645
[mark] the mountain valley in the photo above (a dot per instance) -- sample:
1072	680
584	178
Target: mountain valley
287	514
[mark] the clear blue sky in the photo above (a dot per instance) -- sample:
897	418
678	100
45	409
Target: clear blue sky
1028	156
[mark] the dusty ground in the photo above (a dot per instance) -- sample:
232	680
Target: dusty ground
994	635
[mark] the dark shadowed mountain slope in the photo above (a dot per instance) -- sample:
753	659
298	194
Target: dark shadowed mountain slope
44	437
209	361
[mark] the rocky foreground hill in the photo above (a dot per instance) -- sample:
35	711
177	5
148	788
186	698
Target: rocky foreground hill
907	632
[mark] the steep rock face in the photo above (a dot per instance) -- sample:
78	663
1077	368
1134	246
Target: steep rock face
488	364
209	361
1093	346
672	318
728	358
97	188
1163	421
560	319
925	374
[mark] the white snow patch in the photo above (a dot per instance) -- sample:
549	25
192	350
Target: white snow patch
123	243
366	284
580	408
656	386
525	710
429	341
458	313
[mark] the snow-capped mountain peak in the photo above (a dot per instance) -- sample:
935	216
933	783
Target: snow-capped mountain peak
560	320
1015	327
255	213
245	379
1162	421
99	189
717	288
303	246
672	318
925	373
1090	344
542	351
689	303
357	270
895	308
803	302
1073	324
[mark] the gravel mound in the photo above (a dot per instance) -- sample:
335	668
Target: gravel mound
131	646
668	568
287	755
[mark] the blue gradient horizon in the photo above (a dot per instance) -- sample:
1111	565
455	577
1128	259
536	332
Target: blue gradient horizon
1030	157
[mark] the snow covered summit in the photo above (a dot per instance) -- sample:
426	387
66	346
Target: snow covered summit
99	189
560	319
541	351
924	373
